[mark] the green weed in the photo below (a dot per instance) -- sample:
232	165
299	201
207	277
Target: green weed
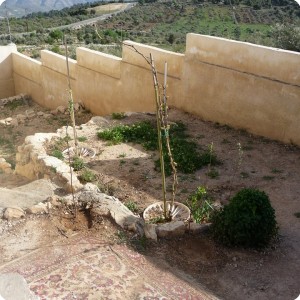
132	206
267	177
276	171
213	174
58	154
82	138
244	175
87	176
118	116
77	164
14	104
200	204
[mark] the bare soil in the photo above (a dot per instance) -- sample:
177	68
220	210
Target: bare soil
127	172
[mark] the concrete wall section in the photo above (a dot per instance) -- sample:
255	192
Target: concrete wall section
225	84
262	61
239	84
107	84
100	62
55	80
7	87
28	77
137	77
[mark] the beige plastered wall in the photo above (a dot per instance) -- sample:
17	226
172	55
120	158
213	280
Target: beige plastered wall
7	87
243	85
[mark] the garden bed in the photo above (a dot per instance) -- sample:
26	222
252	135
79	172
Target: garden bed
127	171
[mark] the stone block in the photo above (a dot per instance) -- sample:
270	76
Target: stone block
150	231
195	228
171	229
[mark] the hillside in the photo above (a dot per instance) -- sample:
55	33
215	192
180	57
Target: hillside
164	24
23	7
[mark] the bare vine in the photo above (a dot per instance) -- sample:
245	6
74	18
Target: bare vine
162	125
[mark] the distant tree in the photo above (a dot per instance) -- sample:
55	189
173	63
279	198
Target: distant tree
286	36
171	38
56	34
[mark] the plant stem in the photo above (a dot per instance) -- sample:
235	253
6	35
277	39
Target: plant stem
164	116
158	120
71	101
71	173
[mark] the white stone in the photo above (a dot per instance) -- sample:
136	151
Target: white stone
30	113
97	120
5	166
40	208
14	287
40	113
54	112
150	231
47	116
21	118
54	201
13	213
77	106
60	109
90	187
171	229
14	122
119	212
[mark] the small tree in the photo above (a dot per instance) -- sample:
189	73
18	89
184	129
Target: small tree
162	129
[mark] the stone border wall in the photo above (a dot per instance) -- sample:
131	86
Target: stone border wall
239	84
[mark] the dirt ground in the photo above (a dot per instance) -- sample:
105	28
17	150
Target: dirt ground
127	172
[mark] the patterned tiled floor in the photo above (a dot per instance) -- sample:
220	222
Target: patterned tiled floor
86	268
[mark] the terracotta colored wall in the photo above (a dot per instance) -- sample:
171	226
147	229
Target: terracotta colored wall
239	84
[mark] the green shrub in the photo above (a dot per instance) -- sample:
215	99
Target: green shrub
132	206
82	138
58	154
248	220
77	163
87	176
200	205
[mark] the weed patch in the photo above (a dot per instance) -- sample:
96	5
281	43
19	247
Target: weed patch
200	204
118	116
77	163
87	176
185	152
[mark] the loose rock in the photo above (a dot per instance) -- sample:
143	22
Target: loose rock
40	208
13	213
150	231
195	228
171	229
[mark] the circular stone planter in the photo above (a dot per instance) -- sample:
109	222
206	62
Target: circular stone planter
179	211
82	152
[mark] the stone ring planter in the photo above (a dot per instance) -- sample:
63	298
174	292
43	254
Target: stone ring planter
82	152
179	211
